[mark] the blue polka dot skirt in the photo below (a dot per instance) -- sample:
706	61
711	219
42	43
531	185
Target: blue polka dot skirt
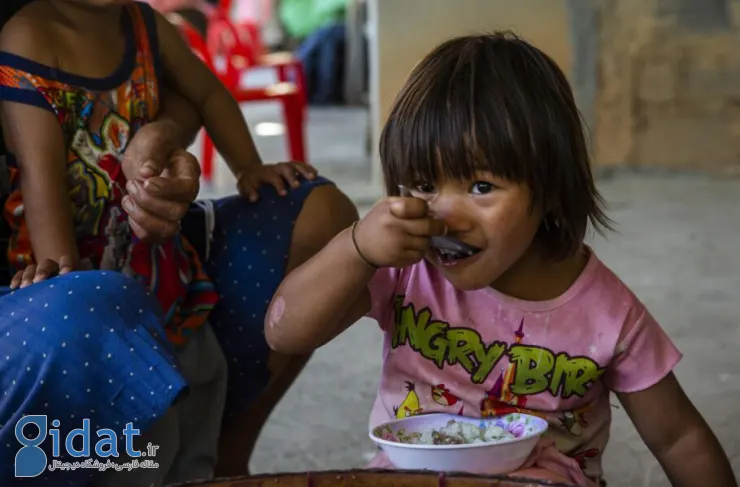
246	259
90	345
87	345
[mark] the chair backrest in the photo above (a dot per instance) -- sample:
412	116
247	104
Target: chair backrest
225	5
198	45
223	41
239	38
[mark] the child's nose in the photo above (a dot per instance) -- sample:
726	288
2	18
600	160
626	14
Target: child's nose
453	210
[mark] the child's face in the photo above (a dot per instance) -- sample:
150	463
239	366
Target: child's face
491	214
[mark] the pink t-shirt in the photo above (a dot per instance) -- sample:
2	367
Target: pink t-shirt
480	353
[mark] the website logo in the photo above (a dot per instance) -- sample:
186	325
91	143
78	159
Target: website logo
31	460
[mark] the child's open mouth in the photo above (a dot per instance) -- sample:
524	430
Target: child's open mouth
452	256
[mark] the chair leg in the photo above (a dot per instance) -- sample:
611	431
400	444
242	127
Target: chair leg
294	70
282	73
207	158
292	113
301	84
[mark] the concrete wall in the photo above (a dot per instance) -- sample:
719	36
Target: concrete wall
668	85
657	81
402	31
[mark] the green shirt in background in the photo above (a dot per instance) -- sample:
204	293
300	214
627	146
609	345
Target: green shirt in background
302	17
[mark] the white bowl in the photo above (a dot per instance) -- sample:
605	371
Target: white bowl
499	457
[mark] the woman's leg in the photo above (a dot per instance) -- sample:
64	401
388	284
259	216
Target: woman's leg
325	213
253	248
84	346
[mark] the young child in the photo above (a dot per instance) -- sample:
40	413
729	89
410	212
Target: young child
77	79
486	136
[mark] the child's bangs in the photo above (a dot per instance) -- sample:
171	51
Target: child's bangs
451	125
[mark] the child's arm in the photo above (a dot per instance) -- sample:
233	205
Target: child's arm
319	299
222	117
641	375
218	110
327	294
35	137
678	436
179	111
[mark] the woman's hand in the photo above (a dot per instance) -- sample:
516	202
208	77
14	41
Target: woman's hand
36	273
163	180
273	174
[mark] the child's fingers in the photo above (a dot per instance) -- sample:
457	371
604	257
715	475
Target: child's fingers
45	270
275	179
288	172
15	282
248	190
416	244
408	208
425	227
28	275
305	170
66	265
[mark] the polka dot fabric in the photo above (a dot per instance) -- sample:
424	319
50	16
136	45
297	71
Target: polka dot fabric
246	263
91	344
86	345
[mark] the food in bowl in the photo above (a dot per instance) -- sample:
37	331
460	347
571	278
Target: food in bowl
452	443
457	433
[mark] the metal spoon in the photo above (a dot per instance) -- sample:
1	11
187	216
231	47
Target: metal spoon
443	242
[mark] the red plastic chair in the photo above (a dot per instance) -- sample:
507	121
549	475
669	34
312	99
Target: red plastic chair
245	39
285	92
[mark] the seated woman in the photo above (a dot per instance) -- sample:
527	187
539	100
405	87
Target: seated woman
83	355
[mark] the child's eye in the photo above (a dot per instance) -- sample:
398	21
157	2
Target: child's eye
425	188
481	187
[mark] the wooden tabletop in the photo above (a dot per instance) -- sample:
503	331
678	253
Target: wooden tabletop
372	478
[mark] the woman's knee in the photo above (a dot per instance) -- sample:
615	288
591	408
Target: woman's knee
81	302
87	343
325	213
78	288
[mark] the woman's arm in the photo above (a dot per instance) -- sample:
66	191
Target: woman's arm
678	436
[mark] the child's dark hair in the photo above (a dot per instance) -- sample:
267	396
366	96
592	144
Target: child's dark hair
495	102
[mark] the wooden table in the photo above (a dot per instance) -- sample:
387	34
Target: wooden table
371	478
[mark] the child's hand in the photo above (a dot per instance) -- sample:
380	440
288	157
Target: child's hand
396	232
37	273
275	174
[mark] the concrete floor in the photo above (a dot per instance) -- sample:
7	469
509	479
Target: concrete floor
677	246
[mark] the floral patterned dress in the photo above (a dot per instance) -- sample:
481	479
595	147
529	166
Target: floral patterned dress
99	116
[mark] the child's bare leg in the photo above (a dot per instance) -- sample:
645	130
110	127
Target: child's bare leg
325	213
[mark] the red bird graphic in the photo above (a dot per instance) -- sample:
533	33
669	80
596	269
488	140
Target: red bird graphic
442	395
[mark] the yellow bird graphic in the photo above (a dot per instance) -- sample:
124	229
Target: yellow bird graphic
410	406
